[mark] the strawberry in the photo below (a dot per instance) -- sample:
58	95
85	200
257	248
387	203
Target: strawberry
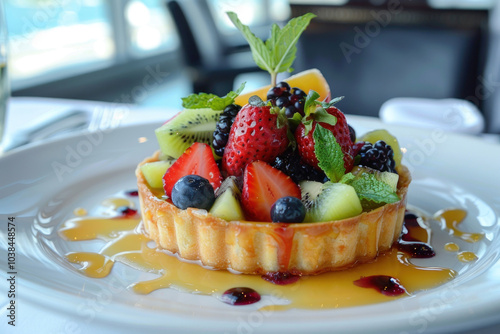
258	133
197	159
305	142
262	186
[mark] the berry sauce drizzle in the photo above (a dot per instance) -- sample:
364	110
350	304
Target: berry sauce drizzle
281	278
132	193
240	296
124	242
411	245
386	285
126	211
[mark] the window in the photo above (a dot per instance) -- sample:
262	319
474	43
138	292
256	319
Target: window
251	13
53	39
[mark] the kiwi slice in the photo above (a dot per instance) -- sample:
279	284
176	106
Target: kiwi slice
387	177
330	201
188	127
153	172
227	203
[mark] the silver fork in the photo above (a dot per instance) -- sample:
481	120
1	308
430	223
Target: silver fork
46	127
105	118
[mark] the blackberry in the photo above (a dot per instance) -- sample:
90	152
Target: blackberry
379	156
223	127
292	99
290	163
352	133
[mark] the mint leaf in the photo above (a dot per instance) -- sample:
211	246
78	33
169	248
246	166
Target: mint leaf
327	105
310	103
347	178
278	52
284	49
212	101
321	115
373	192
329	153
260	53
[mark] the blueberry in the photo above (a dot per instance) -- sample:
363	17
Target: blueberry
288	210
193	191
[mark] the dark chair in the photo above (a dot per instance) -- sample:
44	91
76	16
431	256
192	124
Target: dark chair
212	64
370	54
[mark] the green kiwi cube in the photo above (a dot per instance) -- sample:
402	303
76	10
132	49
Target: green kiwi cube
153	172
335	201
227	207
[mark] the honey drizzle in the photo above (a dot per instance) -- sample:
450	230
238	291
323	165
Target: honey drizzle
451	218
330	290
467	256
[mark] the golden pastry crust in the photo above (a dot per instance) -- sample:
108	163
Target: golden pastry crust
260	248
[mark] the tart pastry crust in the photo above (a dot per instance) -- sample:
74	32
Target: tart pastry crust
261	247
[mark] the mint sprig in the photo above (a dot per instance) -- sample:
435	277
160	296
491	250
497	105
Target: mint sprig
371	191
329	153
277	54
212	101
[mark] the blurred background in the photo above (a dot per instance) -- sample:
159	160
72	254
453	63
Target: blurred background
153	52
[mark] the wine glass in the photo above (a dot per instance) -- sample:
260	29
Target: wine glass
4	83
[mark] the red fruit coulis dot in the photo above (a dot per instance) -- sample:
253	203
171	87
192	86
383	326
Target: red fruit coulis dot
126	211
240	296
410	245
281	278
132	193
386	285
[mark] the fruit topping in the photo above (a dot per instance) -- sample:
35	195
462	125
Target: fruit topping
312	79
198	160
381	134
387	177
379	156
193	191
227	203
280	278
188	127
223	127
386	285
262	186
374	189
288	210
329	201
240	296
340	130
153	172
290	163
352	133
258	133
292	99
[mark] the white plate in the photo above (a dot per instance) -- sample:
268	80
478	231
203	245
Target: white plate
42	185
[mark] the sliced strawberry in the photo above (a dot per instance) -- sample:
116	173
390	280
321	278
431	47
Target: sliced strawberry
197	159
262	186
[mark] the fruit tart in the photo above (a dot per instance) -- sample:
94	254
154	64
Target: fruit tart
274	180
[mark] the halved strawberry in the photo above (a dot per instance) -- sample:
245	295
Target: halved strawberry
305	142
198	160
258	133
262	186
